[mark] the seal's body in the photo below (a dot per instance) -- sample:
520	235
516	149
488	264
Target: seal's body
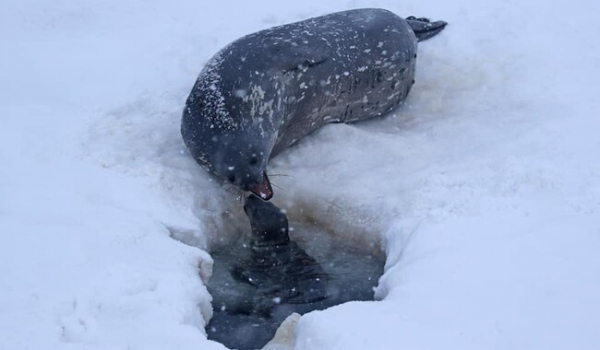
263	92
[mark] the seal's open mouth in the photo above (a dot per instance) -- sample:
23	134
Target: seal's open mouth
263	190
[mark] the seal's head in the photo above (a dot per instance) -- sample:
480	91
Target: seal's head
269	224
241	161
237	156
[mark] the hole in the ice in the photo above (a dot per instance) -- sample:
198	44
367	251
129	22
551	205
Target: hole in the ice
256	285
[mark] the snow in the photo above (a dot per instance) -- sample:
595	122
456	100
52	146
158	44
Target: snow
483	189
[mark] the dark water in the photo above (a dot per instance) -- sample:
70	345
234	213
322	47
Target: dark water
246	316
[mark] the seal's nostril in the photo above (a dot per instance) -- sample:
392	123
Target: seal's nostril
231	178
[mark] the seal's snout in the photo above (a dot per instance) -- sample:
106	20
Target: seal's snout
263	189
240	176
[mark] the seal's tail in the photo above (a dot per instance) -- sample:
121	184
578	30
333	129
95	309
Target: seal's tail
423	28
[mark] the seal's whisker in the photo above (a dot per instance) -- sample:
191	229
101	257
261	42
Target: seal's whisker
274	184
282	175
239	193
273	167
235	191
229	189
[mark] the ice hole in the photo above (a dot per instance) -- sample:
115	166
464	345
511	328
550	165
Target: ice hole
246	316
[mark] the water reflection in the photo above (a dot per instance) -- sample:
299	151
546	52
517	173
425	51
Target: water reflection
258	282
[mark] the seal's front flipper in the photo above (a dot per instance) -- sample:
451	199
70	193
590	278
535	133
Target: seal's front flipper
300	58
423	28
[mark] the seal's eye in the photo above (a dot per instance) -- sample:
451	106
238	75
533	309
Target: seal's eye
253	160
231	178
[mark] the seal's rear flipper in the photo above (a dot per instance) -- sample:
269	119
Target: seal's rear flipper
423	28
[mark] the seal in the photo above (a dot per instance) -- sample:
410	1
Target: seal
281	272
263	92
